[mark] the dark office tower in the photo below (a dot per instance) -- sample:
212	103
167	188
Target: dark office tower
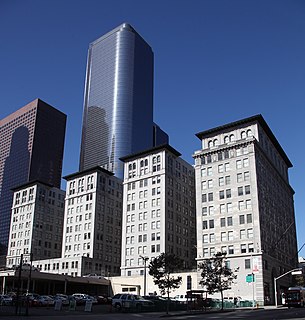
118	101
31	148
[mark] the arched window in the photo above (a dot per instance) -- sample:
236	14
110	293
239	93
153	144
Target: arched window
210	144
249	133
243	135
134	166
215	142
232	138
142	163
130	167
146	162
158	158
226	139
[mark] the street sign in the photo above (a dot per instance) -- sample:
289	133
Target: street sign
250	278
294	273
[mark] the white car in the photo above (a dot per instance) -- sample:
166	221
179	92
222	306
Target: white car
180	298
124	300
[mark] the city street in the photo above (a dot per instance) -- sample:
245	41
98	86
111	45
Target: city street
265	314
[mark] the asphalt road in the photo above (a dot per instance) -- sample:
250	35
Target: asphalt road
261	314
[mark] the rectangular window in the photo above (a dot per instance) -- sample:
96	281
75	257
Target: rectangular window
240	191
205	238
204	198
228	180
242	234
204	225
203	172
212	237
250	233
209	171
247	189
203	185
249	218
221	194
222	208
222	222
204	211
248	204
210	184
230	221
231	250
211	224
250	247
239	177
229	207
247	264
238	164
230	235
246	162
223	236
228	193
247	176
242	219
220	168
221	181
227	167
243	248
210	196
241	205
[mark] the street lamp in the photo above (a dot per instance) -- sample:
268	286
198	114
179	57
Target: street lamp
145	259
293	271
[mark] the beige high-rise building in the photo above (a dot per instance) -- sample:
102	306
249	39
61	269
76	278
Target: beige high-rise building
36	223
158	208
245	205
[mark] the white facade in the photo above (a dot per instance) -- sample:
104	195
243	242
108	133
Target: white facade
158	208
245	204
92	223
36	223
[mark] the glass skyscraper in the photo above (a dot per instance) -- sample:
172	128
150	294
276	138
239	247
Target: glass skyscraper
31	148
118	100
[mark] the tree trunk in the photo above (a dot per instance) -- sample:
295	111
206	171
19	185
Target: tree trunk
167	305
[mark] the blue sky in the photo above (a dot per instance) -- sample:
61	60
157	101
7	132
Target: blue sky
216	61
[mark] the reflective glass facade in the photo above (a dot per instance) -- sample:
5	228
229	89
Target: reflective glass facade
118	102
31	148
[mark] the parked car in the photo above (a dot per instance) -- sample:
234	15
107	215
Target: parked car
45	301
6	300
64	298
123	300
101	299
180	298
80	298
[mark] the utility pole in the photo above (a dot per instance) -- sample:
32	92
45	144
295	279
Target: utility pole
145	259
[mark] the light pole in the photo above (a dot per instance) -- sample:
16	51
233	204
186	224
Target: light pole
145	259
297	271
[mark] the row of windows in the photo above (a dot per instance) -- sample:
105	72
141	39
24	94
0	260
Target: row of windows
143	227
231	249
230	138
143	204
210	224
143	215
228	236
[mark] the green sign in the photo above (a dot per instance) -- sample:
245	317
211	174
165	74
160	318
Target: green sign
250	278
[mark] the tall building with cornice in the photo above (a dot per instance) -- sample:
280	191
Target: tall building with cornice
158	209
245	205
